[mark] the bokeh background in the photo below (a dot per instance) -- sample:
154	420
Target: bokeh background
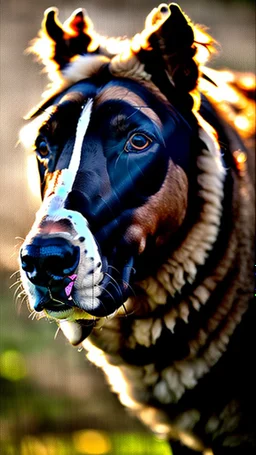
52	402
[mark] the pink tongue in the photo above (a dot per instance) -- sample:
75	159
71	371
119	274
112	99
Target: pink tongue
69	287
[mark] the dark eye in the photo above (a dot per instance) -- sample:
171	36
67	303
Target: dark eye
42	148
138	141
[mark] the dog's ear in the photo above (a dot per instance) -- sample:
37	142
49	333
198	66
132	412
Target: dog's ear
169	51
167	44
173	43
166	52
57	46
59	43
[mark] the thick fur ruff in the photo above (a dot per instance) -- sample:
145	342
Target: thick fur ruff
142	248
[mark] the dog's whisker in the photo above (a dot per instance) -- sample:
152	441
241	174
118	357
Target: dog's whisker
114	268
56	333
19	302
18	297
20	294
34	315
115	283
107	291
15	283
17	272
16	289
128	286
19	291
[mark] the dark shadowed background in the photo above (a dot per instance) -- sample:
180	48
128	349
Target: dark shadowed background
52	401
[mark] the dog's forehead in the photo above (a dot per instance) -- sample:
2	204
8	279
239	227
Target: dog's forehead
131	96
66	108
113	90
76	94
138	96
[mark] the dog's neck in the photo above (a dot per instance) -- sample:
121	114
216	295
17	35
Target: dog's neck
175	316
181	267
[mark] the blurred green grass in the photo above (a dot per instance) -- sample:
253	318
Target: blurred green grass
87	443
53	401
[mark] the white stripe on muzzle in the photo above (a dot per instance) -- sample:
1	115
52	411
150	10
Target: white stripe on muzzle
81	129
62	180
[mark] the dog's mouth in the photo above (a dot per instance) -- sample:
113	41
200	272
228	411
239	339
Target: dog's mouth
56	297
78	308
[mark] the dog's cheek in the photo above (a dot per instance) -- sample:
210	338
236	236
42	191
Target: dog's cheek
162	215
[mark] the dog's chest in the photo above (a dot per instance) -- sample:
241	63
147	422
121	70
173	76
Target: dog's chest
172	397
151	363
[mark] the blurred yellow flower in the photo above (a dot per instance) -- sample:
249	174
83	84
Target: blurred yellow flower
12	365
91	442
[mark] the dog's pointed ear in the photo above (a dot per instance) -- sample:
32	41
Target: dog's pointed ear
57	46
168	44
58	43
176	43
166	51
52	26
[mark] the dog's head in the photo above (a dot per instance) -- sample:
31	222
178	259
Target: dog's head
113	149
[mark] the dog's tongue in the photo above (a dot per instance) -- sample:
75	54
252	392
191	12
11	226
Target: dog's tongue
75	331
69	287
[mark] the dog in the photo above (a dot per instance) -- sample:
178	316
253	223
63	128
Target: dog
142	248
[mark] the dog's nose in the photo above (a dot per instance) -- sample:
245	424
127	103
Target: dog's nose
48	260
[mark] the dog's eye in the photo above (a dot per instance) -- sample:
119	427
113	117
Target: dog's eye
138	141
42	149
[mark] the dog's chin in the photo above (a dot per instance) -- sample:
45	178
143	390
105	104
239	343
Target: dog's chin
77	331
75	323
78	313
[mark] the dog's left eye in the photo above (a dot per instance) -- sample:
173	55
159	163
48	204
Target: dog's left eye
138	142
42	149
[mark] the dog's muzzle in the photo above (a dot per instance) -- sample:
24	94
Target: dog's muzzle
50	264
69	278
